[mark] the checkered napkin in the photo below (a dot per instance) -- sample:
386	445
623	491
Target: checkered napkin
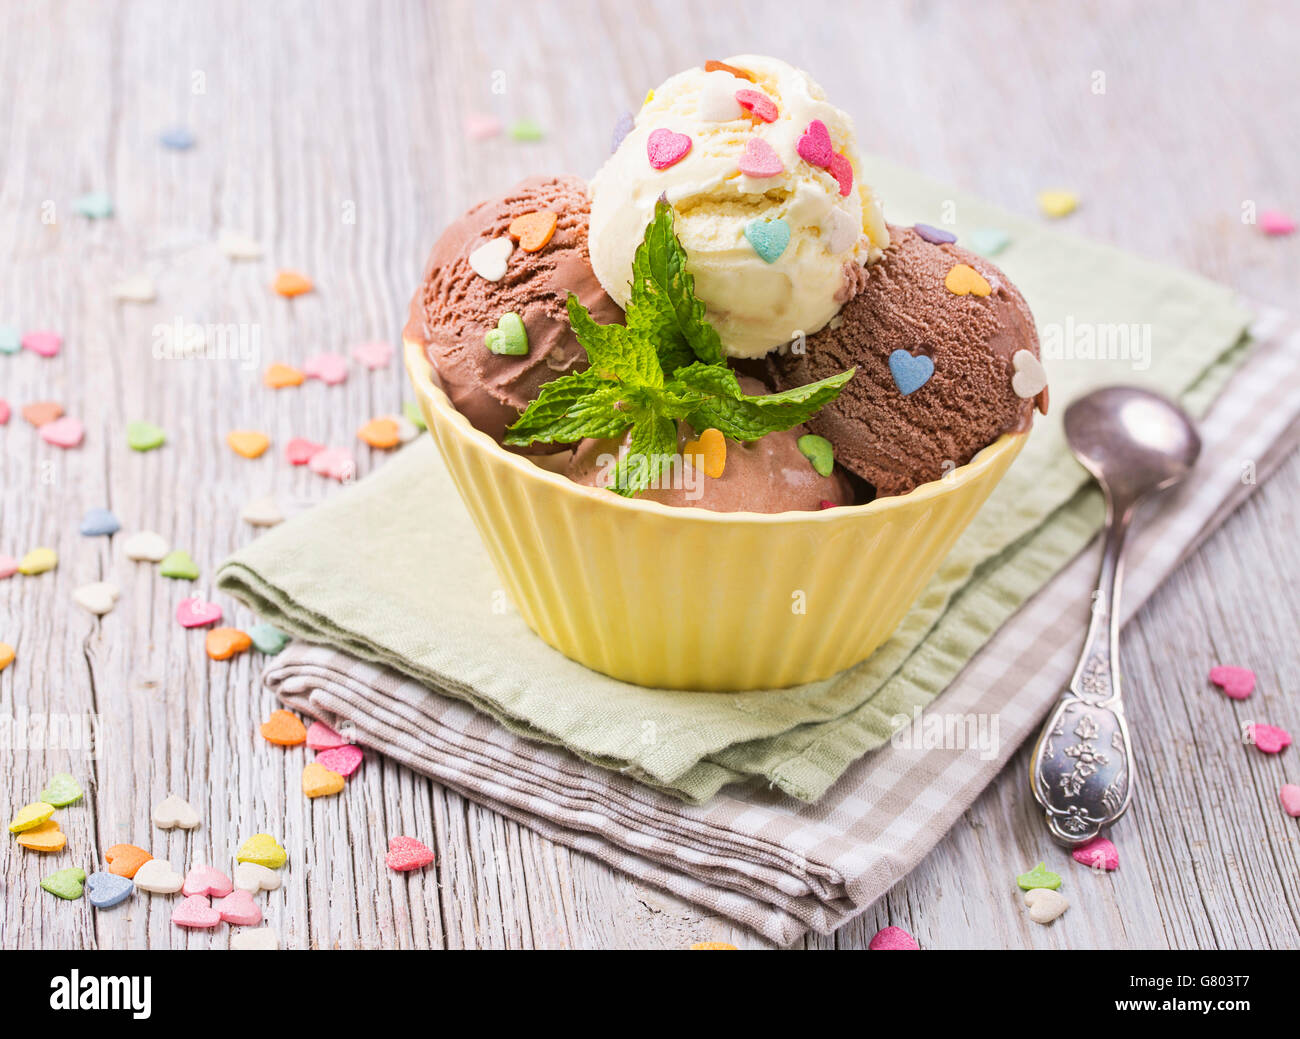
751	853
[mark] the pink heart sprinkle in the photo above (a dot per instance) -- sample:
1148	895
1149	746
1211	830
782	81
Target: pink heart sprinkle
238	907
1274	221
1098	853
321	737
893	938
4	412
479	127
1289	795
406	853
373	355
47	344
842	170
336	462
195	912
814	146
1269	738
760	159
63	432
300	451
664	148
344	760
331	369
8	566
757	102
1236	682
194	613
206	880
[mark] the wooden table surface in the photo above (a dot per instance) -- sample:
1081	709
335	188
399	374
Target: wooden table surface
332	131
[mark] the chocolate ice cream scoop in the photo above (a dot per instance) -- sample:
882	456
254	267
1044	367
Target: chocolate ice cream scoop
456	307
903	425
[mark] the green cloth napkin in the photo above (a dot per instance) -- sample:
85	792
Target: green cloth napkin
392	571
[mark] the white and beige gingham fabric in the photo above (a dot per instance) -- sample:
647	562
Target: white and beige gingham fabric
773	863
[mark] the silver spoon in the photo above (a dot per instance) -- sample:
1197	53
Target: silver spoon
1135	443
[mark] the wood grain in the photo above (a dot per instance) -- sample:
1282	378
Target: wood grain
332	131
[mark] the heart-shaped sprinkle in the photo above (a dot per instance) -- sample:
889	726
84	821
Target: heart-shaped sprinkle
239	246
406	431
665	148
11	340
299	451
195	911
910	372
406	853
490	259
278	376
262	512
7	655
146	546
1237	683
334	462
173	811
144	436
61	790
819	452
99	523
759	159
769	238
1039	876
255	939
713	947
318	781
99	597
248	443
709	453
412	412
107	889
5	412
8	566
1097	854
374	354
195	613
1275	222
533	230
284	729
988	241
139	288
509	337
934	235
814	145
331	369
46	837
758	104
238	907
479	127
842	170
158	878
206	880
893	938
344	760
381	433
251	877
224	643
267	638
66	883
177	138
1030	377
321	737
63	432
38	561
1269	738
291	283
1045	905
178	564
125	859
1289	795
963	280
44	343
264	850
95	205
717	102
526	130
841	230
42	413
1057	204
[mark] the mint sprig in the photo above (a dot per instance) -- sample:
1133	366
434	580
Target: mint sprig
663	366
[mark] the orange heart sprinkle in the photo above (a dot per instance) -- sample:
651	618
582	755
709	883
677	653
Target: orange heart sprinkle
45	411
380	432
248	442
711	452
46	837
291	283
722	66
533	230
965	280
224	643
278	376
284	729
318	781
125	859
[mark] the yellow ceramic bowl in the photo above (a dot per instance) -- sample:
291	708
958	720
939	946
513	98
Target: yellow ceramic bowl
692	599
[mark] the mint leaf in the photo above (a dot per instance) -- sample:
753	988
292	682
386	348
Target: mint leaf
651	449
710	395
615	351
568	409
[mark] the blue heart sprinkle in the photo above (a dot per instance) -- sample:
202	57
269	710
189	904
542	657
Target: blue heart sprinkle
97	205
768	237
989	241
178	137
108	889
98	523
934	235
910	373
621	129
10	340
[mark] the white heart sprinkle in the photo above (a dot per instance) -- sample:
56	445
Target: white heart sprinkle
841	230
1045	905
1029	378
261	939
249	876
406	431
146	546
239	246
173	811
158	877
98	597
489	259
717	103
136	289
263	512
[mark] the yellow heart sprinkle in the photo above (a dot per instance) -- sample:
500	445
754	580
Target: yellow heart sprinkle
965	280
248	442
318	781
45	837
709	452
1057	204
31	816
264	850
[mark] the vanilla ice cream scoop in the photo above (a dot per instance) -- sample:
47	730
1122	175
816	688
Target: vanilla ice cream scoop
762	172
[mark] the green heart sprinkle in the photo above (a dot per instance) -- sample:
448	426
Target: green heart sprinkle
526	130
145	436
66	883
179	564
509	337
412	412
819	452
268	638
61	791
1039	876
